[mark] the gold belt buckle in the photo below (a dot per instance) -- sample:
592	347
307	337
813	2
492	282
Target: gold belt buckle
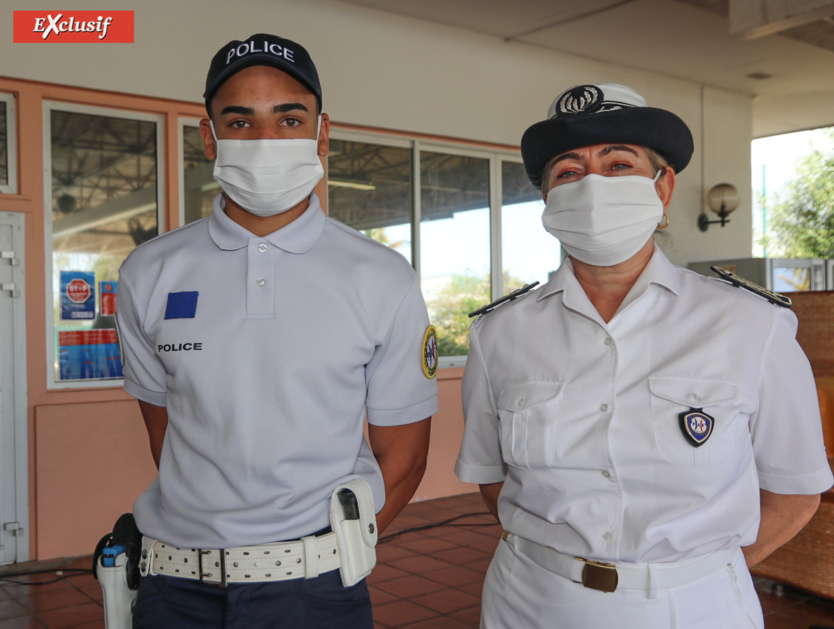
599	576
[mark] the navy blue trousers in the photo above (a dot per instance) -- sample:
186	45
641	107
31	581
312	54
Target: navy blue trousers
320	603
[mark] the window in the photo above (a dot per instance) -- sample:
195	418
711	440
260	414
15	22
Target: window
369	188
468	220
455	243
198	187
8	144
103	197
529	253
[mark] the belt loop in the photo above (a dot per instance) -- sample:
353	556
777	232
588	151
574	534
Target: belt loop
311	557
651	592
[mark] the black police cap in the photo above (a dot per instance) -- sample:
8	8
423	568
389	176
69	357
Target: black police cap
586	115
266	50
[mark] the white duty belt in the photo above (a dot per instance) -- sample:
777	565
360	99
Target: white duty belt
305	558
608	577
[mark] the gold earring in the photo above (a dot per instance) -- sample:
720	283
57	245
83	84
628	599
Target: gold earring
665	222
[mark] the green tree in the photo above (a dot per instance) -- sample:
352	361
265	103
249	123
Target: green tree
801	223
451	307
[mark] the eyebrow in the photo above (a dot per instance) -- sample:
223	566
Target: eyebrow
605	151
277	109
565	156
617	147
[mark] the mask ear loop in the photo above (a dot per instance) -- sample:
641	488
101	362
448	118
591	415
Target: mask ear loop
222	194
665	223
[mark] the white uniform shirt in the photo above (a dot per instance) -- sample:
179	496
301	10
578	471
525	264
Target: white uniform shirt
266	352
580	418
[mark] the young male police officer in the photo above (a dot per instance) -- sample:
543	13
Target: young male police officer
255	341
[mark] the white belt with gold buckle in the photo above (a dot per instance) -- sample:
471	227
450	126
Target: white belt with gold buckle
608	577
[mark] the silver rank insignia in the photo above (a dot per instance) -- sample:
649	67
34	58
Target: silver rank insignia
696	426
761	291
503	300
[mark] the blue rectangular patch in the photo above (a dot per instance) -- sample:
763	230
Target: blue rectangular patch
181	305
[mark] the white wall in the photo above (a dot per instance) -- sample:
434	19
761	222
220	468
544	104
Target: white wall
722	155
398	73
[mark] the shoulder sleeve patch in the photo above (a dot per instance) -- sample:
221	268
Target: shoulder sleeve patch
503	300
430	352
761	291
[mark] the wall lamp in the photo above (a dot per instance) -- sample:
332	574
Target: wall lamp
722	199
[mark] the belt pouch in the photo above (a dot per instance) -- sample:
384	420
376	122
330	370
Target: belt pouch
353	520
116	566
118	598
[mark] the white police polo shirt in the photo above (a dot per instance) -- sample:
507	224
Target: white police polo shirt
585	421
266	353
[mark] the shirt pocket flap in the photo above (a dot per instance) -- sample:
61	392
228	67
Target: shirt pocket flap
523	396
693	392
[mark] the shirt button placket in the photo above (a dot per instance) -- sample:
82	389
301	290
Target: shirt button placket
260	298
604	408
608	342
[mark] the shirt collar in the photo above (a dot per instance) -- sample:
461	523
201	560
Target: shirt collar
559	281
658	271
296	237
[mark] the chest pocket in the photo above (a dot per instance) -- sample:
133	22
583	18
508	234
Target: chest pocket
672	396
528	413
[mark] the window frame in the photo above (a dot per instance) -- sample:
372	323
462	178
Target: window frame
10	100
382	139
53	383
182	123
495	157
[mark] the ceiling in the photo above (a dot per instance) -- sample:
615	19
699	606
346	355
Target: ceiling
789	69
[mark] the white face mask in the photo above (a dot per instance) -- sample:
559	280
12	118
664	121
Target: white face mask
603	220
267	177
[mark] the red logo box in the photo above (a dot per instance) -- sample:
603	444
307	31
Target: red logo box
73	27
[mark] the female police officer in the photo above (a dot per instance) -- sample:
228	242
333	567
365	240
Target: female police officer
643	433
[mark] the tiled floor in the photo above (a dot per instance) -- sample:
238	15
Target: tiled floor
426	578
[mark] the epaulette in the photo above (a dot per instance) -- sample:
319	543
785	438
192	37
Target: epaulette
503	300
761	291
